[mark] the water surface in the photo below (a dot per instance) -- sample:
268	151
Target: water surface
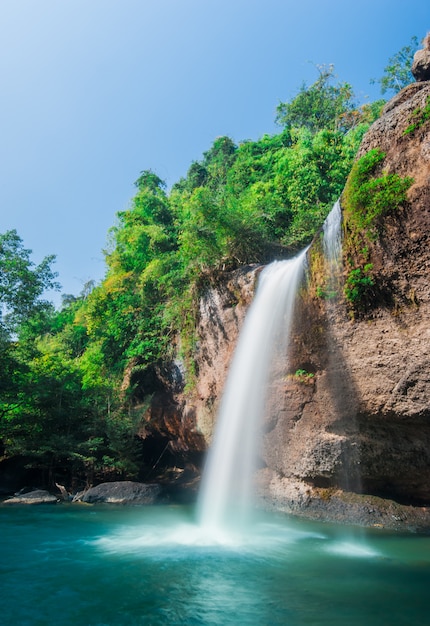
153	565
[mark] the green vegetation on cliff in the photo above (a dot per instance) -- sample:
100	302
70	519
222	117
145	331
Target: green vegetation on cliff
367	197
65	401
369	194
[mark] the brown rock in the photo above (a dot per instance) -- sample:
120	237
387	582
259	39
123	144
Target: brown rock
222	310
361	423
179	422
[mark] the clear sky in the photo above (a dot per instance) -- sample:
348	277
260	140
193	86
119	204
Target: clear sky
95	91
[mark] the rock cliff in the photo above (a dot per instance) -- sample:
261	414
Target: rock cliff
361	423
357	420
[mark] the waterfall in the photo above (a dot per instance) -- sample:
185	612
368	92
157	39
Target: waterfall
332	235
226	490
332	247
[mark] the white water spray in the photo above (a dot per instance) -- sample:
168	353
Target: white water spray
226	491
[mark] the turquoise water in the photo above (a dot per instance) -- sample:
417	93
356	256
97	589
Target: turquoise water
99	566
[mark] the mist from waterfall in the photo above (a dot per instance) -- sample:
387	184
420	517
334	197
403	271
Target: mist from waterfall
225	497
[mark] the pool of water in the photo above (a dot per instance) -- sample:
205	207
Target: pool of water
82	565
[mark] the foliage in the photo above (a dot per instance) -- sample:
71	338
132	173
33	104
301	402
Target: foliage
367	197
303	375
397	74
21	282
320	106
369	194
359	283
64	398
21	308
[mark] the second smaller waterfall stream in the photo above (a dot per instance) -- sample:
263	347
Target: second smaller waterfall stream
226	490
332	240
332	246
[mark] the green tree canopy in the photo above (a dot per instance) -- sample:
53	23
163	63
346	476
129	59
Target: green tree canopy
321	106
21	281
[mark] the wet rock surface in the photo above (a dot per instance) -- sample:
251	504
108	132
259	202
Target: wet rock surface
338	506
179	422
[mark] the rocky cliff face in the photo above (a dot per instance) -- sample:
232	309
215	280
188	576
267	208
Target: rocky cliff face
359	421
362	422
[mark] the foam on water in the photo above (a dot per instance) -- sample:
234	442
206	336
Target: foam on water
174	537
262	540
352	549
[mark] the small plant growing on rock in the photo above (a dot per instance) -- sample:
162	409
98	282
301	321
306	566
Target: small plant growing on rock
418	118
303	375
325	293
359	284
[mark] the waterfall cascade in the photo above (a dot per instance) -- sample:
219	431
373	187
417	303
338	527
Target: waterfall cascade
225	497
226	491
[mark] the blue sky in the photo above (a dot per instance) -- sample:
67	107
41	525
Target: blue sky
95	91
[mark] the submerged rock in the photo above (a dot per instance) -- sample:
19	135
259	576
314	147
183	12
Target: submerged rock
123	492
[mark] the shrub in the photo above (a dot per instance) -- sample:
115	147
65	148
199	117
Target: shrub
366	197
359	284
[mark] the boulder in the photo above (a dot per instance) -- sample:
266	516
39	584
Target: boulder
123	492
37	496
339	506
421	63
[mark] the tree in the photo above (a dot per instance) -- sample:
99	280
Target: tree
320	106
397	74
212	170
21	286
21	282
